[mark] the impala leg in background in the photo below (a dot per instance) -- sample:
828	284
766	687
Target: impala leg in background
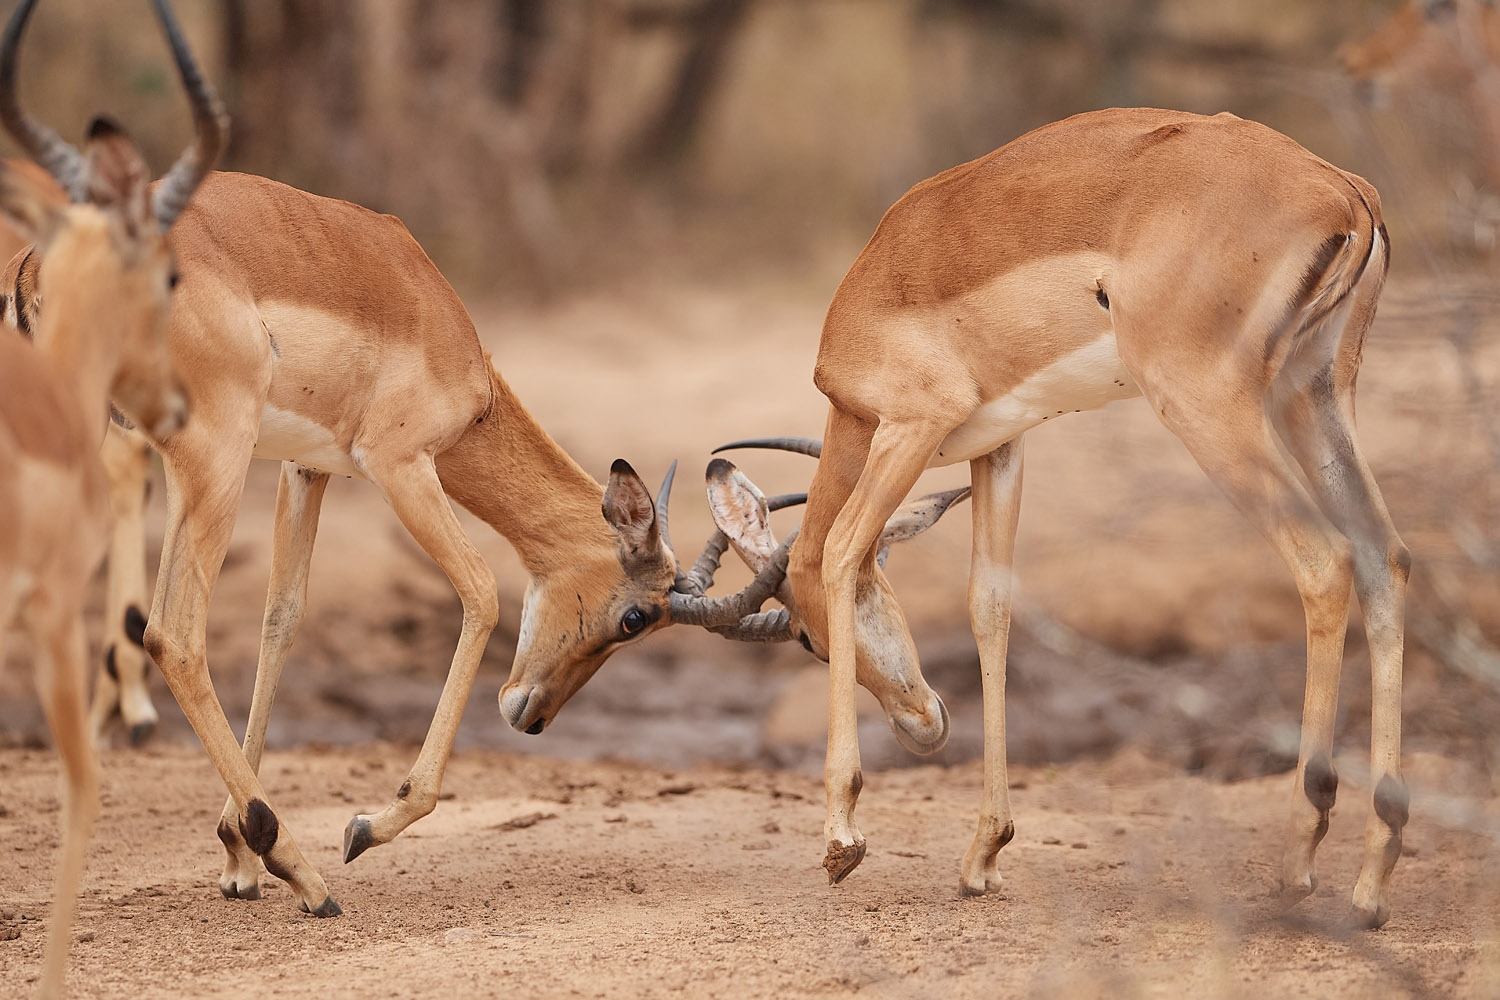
299	499
205	479
62	673
997	507
121	681
898	454
1318	429
413	490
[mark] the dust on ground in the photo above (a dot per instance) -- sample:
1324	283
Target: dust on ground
1150	617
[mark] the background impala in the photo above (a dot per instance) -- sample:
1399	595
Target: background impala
704	183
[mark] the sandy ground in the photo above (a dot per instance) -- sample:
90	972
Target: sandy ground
1150	618
1126	878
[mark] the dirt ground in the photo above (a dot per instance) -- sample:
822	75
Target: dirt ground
1126	878
1157	655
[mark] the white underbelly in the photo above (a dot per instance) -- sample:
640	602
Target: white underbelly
286	437
1086	379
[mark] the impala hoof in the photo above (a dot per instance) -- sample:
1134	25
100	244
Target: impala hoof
1365	920
842	859
358	838
233	891
327	908
1292	893
141	732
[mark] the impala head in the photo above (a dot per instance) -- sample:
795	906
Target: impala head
612	591
1422	37
886	658
100	255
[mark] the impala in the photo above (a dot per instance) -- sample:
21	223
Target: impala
317	333
121	682
105	276
1210	264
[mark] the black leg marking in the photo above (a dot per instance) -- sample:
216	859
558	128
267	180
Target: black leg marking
259	827
135	626
1006	834
1392	803
404	790
1320	782
228	835
856	784
109	664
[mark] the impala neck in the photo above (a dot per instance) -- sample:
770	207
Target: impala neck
510	474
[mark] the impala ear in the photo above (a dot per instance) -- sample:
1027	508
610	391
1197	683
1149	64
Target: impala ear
916	516
739	510
31	208
629	510
118	178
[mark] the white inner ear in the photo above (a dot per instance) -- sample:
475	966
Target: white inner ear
628	509
739	510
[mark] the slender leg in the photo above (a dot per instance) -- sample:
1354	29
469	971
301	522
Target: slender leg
121	682
299	498
898	454
1233	443
1315	416
61	679
414	492
997	507
205	476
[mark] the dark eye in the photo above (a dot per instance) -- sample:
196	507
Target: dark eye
635	619
172	279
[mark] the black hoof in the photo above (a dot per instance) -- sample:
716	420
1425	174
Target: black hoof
1364	920
358	838
141	732
327	908
965	892
234	892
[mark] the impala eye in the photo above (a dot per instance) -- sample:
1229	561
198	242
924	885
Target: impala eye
635	619
172	279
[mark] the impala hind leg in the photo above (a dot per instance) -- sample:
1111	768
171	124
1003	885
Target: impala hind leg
299	499
997	507
121	681
205	477
1231	439
898	454
1318	428
414	492
61	670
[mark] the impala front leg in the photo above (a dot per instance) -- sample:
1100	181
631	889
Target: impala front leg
898	454
414	491
997	507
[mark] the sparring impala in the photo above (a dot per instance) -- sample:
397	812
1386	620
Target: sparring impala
105	275
317	333
1210	264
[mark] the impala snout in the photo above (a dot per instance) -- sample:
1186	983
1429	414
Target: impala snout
522	705
924	731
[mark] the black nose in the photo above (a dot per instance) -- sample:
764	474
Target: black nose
536	726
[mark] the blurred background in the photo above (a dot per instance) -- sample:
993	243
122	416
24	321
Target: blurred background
647	204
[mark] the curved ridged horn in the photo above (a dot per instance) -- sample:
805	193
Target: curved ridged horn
697	580
710	612
42	144
781	500
663	498
774	625
800	445
210	123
